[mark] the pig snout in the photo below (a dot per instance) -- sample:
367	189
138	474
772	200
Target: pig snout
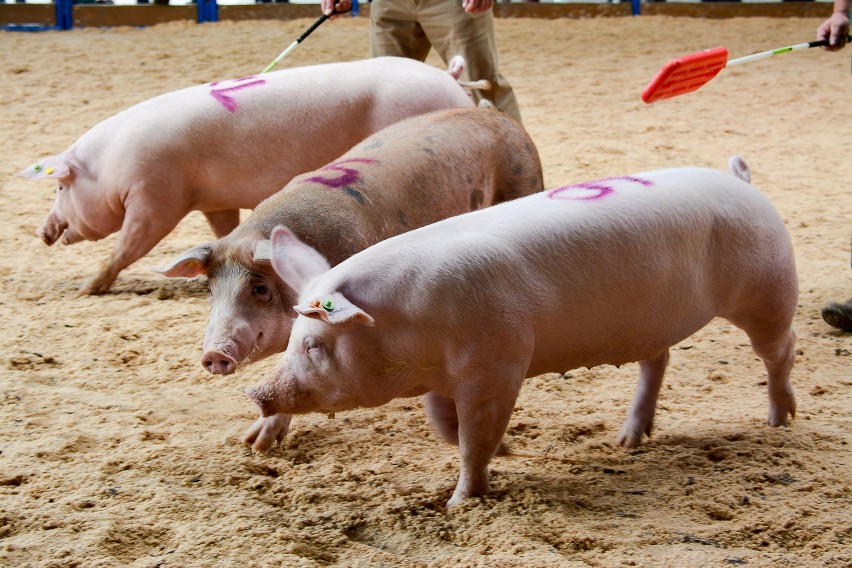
218	363
52	229
227	346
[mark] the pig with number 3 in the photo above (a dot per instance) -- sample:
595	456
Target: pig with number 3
604	272
223	146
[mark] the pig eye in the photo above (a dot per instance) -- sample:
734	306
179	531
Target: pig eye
259	290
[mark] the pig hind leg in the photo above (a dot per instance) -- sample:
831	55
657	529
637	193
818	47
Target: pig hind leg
766	315
223	222
774	341
640	419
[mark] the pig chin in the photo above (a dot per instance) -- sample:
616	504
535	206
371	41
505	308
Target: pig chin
267	398
276	396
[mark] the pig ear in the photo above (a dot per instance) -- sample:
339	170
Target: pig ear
190	264
335	309
52	167
294	261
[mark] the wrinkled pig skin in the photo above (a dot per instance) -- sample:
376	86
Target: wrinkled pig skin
415	172
223	146
605	272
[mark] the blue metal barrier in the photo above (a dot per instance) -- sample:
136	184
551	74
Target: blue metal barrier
64	15
208	11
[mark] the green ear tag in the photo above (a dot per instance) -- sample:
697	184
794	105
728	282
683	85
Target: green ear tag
37	168
327	305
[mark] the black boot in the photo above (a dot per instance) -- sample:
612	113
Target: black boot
838	315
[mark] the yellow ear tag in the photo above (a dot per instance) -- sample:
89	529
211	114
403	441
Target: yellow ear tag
49	171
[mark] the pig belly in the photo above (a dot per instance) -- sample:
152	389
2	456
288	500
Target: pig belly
616	334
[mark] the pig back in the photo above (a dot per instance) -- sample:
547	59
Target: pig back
426	168
415	172
232	143
610	271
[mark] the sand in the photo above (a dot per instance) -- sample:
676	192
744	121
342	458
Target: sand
118	449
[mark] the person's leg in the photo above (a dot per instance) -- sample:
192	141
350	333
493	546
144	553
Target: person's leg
394	30
452	31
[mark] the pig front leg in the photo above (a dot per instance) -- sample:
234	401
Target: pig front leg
223	222
481	424
267	431
444	418
141	230
640	419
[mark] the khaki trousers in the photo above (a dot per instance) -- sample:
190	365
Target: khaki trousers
408	28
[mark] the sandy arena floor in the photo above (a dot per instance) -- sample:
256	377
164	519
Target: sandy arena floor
118	449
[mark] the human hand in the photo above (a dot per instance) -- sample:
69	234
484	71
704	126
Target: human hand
334	8
476	6
835	30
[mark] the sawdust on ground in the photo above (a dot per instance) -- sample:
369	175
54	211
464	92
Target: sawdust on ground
118	449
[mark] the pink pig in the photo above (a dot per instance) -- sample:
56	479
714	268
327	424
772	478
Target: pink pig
223	146
611	271
412	173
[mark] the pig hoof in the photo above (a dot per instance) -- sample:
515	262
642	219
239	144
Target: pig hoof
782	406
94	288
457	500
779	416
267	431
88	290
630	438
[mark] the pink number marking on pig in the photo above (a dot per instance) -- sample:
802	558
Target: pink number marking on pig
349	175
227	101
592	189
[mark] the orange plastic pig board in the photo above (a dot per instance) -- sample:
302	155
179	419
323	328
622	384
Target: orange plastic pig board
691	72
685	74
